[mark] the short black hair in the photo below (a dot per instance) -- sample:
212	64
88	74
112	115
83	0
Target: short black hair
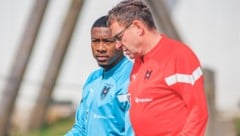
100	22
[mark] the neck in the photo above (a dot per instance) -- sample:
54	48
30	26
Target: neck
107	68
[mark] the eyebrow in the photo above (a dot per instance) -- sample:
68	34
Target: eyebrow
103	39
116	36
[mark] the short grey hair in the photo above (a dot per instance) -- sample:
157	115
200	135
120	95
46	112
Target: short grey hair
129	10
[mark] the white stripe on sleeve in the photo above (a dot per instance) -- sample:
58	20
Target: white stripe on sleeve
184	78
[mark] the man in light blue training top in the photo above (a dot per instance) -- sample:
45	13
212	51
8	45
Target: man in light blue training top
103	110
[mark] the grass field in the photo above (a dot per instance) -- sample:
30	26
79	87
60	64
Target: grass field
237	125
58	128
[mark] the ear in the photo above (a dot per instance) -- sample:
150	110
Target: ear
140	27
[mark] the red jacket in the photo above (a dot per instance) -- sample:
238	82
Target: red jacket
167	92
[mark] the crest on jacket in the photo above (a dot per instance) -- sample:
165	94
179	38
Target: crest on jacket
105	90
148	74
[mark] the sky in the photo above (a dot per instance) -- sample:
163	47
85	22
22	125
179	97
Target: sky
210	28
213	32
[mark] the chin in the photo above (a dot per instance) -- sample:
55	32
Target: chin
102	65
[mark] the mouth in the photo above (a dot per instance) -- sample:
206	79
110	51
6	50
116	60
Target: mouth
101	58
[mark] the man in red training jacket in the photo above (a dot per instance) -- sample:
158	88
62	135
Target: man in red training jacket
166	89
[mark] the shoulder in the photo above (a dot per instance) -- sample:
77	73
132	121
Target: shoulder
179	48
94	75
126	64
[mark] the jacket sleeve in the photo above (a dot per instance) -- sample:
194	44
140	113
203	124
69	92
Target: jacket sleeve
124	99
194	99
78	128
191	90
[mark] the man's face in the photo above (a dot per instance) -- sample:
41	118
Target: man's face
103	47
125	38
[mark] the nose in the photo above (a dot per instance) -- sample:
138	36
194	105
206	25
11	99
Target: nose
118	45
101	46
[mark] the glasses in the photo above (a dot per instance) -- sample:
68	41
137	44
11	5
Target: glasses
118	36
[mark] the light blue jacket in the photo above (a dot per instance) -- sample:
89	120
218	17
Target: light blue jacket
103	110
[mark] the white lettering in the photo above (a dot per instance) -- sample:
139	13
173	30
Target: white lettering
142	100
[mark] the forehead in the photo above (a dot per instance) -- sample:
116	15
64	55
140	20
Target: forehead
101	32
114	24
115	27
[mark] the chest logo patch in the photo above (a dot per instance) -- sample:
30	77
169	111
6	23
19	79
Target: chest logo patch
105	91
148	74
